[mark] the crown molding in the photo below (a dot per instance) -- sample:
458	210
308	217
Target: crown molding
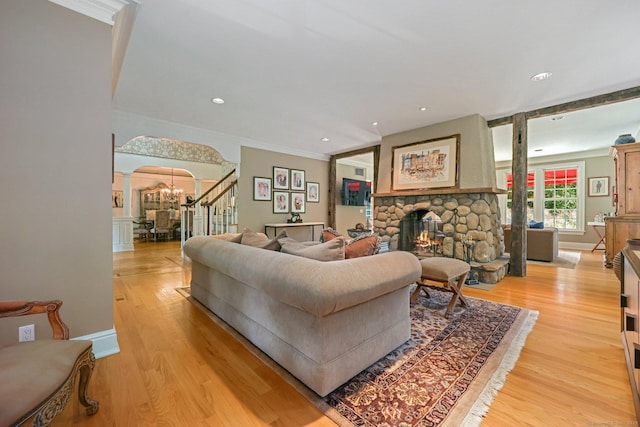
102	10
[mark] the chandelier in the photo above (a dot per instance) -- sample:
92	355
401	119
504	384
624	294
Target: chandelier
172	194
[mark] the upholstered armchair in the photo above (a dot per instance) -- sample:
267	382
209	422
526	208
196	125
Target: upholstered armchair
37	377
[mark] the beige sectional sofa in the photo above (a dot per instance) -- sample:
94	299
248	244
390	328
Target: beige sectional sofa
324	322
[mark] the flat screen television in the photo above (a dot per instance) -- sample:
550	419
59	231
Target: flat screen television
355	192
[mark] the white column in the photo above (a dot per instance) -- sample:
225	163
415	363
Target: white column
198	226
126	191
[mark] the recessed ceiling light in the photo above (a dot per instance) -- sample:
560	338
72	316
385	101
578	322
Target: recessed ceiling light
537	150
217	100
541	76
557	118
374	123
325	139
422	108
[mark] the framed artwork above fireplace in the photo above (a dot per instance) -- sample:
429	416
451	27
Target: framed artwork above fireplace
425	164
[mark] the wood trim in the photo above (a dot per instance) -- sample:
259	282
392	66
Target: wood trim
447	190
333	174
568	107
519	170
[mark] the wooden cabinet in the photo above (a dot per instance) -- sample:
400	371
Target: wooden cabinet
627	160
630	302
618	229
626	224
152	199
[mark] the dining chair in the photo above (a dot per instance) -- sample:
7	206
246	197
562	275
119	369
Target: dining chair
162	225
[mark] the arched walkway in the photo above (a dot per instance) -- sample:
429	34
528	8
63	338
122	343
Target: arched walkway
143	162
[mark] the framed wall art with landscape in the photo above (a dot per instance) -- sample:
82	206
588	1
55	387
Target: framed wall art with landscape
261	188
598	186
425	164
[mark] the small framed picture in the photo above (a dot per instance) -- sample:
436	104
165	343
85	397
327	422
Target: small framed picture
297	203
261	188
297	180
116	199
280	178
280	202
598	186
313	192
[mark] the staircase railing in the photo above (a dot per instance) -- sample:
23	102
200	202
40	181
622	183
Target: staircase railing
214	212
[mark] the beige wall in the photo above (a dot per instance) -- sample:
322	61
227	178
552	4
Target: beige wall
255	162
477	165
55	167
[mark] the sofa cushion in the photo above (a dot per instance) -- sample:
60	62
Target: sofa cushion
363	245
259	240
333	250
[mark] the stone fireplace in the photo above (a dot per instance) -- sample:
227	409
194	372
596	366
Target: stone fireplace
469	210
470	226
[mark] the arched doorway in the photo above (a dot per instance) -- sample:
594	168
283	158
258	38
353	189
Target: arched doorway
145	162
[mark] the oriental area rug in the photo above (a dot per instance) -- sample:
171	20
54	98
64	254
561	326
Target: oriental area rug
447	374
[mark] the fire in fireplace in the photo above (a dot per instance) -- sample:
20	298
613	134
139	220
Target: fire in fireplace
421	233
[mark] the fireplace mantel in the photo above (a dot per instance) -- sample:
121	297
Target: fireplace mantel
438	191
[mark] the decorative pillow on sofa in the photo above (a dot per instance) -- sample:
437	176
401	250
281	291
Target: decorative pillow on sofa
363	245
333	250
292	240
259	240
237	237
229	237
328	234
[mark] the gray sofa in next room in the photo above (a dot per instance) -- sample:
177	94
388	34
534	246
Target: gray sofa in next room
542	243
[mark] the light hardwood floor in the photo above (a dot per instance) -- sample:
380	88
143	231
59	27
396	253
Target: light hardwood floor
177	368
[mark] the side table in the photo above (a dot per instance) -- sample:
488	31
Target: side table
596	227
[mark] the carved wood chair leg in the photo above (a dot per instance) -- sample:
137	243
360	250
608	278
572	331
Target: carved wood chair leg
86	369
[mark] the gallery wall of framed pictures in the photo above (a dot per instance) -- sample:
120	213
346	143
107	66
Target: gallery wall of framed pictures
287	189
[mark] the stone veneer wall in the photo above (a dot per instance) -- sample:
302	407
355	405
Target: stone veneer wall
474	213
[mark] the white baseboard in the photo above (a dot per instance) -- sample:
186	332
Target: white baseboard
105	343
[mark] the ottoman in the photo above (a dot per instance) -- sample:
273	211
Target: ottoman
445	274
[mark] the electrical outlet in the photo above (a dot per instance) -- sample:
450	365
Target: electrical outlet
26	333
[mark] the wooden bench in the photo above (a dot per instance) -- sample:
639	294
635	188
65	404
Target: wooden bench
37	377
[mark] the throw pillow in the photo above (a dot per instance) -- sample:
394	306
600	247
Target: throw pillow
333	250
291	240
251	238
328	234
534	224
363	245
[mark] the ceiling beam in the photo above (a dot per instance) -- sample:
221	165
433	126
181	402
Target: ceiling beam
568	107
